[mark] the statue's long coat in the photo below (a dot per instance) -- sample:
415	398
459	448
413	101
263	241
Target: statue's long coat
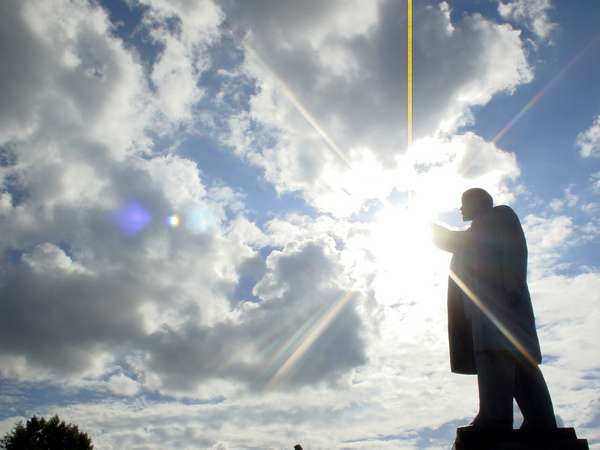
489	307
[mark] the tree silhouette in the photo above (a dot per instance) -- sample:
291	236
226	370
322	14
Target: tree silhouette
42	434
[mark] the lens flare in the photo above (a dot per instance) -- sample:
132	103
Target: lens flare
295	101
309	339
131	218
173	220
200	219
499	324
537	97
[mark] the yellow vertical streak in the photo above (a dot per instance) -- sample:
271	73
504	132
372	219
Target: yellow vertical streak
409	74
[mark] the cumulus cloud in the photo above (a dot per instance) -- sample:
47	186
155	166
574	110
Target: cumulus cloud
450	166
96	275
184	30
566	317
392	379
48	257
125	268
66	145
69	184
300	284
588	141
569	199
546	238
123	385
96	84
534	14
330	125
547	233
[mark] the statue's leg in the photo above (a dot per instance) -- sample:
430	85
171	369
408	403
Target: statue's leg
495	379
533	398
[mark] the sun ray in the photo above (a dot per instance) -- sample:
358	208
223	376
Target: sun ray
280	352
311	330
471	295
537	97
295	101
312	335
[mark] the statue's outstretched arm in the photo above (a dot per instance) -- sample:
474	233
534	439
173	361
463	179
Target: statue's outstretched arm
449	240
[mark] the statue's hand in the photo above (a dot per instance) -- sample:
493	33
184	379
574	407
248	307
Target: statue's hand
437	229
448	240
437	234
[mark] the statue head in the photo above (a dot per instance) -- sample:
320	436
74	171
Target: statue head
475	202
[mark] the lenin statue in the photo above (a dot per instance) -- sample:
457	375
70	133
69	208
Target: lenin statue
491	326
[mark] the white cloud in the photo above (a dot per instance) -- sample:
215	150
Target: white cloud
299	285
360	114
96	84
369	410
569	199
184	52
567	317
198	21
451	166
180	180
547	233
588	141
546	238
175	81
174	288
49	258
534	14
109	280
162	299
165	304
556	204
123	385
94	288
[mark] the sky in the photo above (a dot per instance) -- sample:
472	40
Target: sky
215	236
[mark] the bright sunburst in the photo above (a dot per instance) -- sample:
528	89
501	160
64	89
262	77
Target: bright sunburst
406	260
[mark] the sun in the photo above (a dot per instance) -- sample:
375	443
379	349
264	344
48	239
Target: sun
402	235
407	263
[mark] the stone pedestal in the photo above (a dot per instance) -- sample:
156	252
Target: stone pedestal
559	439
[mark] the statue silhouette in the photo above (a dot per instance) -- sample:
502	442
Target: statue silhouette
491	326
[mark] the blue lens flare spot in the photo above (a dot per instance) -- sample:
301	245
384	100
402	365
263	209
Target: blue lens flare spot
132	218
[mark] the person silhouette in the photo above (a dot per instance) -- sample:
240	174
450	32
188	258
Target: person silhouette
491	326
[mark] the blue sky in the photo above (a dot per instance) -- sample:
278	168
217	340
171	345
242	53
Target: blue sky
215	236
